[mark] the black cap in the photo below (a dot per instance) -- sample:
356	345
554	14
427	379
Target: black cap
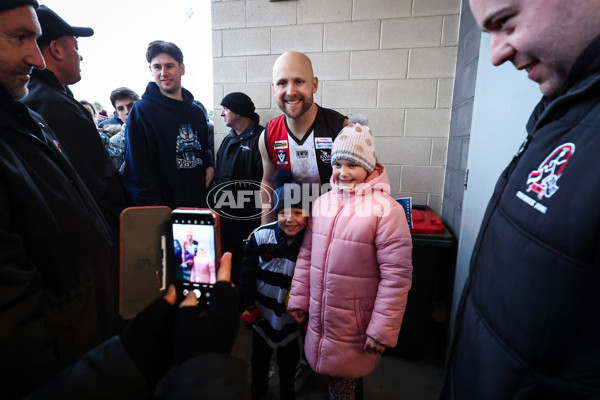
8	4
239	103
54	27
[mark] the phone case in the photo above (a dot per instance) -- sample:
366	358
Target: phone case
143	257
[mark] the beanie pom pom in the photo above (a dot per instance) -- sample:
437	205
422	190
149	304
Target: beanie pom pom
358	119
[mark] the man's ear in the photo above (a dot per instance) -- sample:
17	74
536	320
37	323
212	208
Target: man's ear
315	84
55	50
182	68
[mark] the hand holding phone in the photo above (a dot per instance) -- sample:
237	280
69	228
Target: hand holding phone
214	330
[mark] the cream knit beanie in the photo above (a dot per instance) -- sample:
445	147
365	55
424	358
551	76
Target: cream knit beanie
355	143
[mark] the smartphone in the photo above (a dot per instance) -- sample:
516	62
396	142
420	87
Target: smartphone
196	252
144	250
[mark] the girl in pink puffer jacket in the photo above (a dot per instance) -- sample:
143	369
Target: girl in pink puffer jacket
354	269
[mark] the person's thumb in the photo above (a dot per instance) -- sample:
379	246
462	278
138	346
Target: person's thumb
224	273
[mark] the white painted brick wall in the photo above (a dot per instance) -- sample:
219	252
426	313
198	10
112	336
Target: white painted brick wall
381	9
229	69
229	14
383	122
217	44
303	38
379	64
411	32
260	93
433	123
331	66
422	179
392	60
450	31
444	95
403	150
407	93
433	62
319	11
356	94
260	68
436	7
361	35
267	13
251	41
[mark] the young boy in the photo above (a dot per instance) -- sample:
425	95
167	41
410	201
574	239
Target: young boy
266	277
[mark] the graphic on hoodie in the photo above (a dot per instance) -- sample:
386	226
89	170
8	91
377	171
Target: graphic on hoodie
188	148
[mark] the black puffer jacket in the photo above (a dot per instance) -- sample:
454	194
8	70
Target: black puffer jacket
528	325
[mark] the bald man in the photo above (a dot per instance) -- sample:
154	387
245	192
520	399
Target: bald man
300	140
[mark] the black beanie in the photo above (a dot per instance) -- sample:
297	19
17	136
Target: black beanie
240	104
8	4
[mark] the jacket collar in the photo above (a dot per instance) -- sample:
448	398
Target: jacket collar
153	93
14	109
282	237
584	74
249	131
50	78
587	64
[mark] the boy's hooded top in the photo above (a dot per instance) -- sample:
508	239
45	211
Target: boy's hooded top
167	151
353	275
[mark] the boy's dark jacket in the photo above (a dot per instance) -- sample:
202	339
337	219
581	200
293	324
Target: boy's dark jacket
527	326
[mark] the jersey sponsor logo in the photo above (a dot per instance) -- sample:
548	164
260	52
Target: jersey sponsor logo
325	157
280	144
301	153
323	143
281	157
244	148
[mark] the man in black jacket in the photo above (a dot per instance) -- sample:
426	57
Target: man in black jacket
58	270
50	96
527	326
238	159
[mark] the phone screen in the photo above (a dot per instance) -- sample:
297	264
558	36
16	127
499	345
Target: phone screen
195	243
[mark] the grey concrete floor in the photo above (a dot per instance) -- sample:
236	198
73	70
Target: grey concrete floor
394	378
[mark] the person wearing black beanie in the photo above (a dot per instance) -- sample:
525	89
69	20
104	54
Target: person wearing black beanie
238	167
240	104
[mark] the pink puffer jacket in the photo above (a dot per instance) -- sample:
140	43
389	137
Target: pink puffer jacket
353	275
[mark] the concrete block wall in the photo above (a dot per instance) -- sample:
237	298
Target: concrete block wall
460	126
393	60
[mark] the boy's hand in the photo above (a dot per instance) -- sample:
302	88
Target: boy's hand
299	315
372	346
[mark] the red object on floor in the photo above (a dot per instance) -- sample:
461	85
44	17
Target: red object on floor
426	222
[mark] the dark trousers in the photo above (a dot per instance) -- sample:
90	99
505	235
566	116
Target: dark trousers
287	358
345	388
